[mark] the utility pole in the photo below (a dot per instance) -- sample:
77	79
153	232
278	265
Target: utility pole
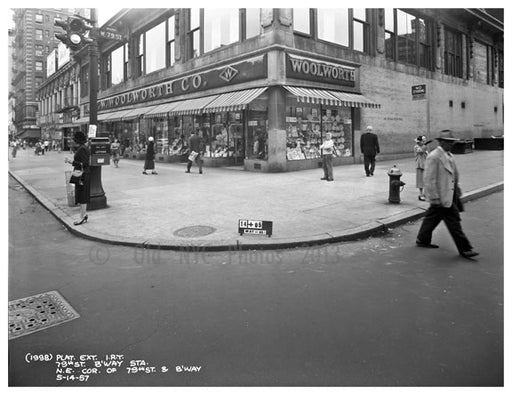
97	195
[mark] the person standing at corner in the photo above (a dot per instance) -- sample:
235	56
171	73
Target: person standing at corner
442	189
327	151
115	150
369	149
81	161
149	163
420	156
196	147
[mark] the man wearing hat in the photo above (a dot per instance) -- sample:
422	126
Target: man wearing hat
369	148
442	190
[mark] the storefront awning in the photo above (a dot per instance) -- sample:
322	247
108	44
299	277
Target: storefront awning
30	134
137	112
192	106
233	101
112	116
82	120
161	110
330	98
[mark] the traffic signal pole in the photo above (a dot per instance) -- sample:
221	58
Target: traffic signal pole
97	195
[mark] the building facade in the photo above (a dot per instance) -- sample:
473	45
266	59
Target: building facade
264	86
34	40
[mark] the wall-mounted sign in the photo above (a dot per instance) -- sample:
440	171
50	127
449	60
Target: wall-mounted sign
320	71
419	92
235	73
92	131
254	227
51	63
64	55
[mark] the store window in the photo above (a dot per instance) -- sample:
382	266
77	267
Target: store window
307	124
333	25
257	127
171	41
140	55
155	48
39	34
221	27
452	53
117	66
252	22
302	20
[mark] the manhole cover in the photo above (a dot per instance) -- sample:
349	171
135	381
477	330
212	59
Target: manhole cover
38	312
194	231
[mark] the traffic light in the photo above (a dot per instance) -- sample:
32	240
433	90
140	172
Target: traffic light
76	29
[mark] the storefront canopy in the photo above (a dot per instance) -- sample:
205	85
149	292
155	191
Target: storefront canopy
137	112
161	110
330	98
30	134
233	101
192	106
112	116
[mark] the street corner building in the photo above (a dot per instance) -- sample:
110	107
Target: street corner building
262	87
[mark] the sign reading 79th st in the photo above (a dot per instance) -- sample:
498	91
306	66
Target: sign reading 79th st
254	227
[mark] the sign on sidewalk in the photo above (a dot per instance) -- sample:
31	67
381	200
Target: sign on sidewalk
419	92
254	227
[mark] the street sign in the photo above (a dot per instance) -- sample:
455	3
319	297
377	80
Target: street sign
92	131
110	34
419	92
254	227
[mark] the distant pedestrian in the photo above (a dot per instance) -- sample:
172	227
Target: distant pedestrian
327	151
369	149
196	147
46	145
115	151
442	189
149	163
81	162
14	148
420	156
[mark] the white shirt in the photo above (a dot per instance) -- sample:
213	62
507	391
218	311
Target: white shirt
327	146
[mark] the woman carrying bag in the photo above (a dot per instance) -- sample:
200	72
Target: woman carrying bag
149	163
80	162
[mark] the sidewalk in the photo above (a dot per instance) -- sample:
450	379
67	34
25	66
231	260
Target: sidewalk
175	210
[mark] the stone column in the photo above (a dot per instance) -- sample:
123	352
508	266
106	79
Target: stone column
276	130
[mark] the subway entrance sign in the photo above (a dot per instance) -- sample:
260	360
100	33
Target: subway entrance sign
419	92
254	227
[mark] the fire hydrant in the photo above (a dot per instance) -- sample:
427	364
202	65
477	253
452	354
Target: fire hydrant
395	184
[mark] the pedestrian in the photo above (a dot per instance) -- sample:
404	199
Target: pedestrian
115	149
420	155
81	162
369	149
196	147
149	163
442	190
46	145
14	148
327	148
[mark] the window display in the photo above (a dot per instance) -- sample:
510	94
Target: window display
306	126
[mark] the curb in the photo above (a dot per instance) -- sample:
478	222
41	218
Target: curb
374	228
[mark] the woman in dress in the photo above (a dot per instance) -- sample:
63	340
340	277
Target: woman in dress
115	150
149	163
81	162
420	153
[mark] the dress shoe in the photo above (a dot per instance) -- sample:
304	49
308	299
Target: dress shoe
469	254
427	245
330	179
83	220
323	178
144	173
187	171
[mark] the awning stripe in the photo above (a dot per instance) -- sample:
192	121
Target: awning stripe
233	101
137	112
329	97
112	116
161	110
192	106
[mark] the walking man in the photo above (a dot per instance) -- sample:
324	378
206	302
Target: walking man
442	190
196	149
369	148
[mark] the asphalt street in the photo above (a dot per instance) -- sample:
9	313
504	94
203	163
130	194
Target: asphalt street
375	312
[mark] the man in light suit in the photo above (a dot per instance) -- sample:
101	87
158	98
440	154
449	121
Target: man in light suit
369	148
442	190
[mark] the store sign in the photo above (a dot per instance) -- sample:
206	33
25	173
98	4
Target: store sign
235	73
51	63
319	71
419	92
254	227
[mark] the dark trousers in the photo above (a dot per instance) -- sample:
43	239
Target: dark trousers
327	165
369	164
451	218
199	162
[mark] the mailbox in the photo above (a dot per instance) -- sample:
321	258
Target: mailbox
100	151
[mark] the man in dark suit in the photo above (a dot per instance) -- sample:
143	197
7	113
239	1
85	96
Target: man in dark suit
369	148
196	146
